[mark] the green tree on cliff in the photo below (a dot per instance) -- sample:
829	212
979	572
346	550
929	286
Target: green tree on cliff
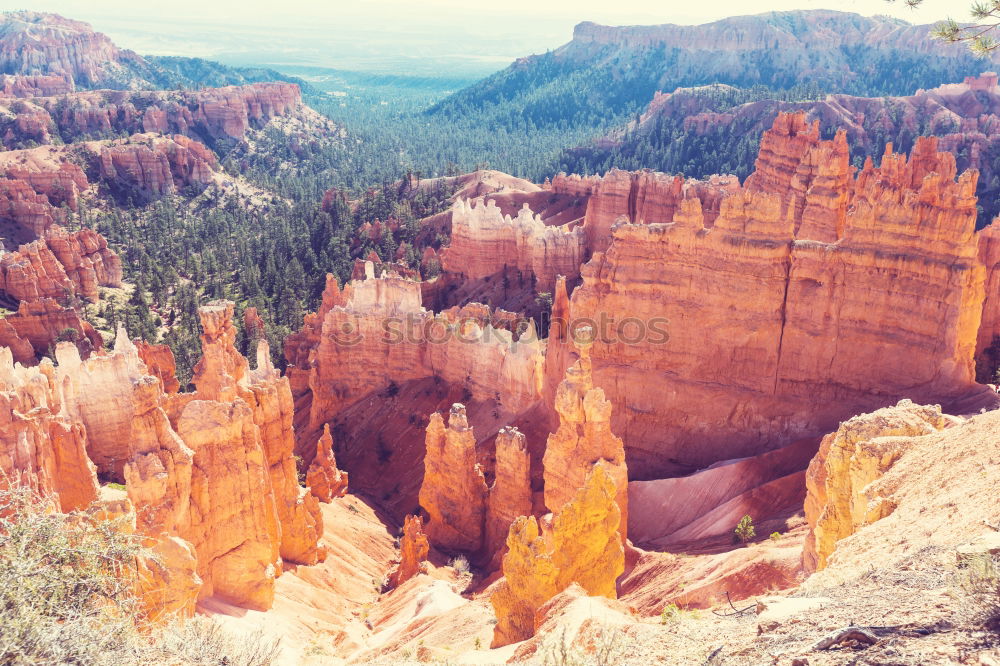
980	36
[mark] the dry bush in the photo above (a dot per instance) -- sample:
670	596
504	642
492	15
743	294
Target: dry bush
66	596
604	648
980	582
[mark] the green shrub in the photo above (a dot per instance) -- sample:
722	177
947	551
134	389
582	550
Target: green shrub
745	531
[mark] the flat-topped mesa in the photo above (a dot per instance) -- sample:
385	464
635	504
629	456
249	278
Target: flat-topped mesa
484	241
453	493
376	332
784	334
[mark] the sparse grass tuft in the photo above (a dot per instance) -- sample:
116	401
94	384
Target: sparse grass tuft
460	564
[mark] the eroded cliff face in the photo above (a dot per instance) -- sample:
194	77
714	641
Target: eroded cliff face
210	475
36	327
47	44
149	166
48	268
59	266
840	498
484	242
376	333
582	545
226	113
772	319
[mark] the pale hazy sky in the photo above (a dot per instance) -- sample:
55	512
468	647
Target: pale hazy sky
619	13
433	34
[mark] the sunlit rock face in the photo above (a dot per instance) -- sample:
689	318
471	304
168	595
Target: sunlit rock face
582	545
862	449
793	309
454	490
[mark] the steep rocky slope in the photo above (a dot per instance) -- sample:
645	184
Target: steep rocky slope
818	49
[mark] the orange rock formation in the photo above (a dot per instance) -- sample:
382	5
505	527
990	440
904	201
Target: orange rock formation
160	363
583	546
148	166
510	495
39	445
454	491
413	550
769	323
484	241
583	439
325	481
840	497
376	331
211	475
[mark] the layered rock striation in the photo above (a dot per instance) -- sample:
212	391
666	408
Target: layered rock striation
484	242
376	332
769	324
147	167
213	114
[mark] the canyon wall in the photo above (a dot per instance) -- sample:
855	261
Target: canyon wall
147	166
770	323
484	241
376	332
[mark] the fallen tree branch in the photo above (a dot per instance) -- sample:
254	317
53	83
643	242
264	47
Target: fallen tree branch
859	634
736	611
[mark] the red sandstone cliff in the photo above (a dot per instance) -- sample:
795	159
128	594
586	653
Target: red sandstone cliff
221	113
811	268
